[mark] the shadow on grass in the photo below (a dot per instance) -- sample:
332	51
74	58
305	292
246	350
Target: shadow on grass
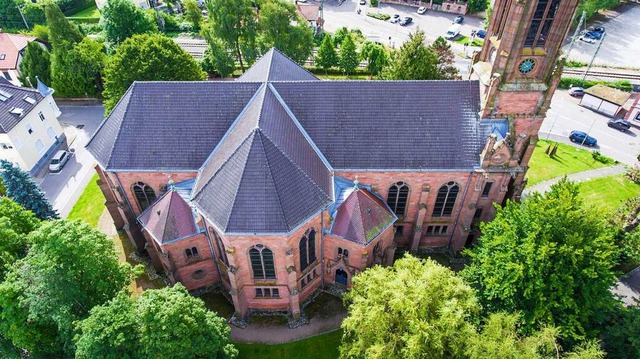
125	248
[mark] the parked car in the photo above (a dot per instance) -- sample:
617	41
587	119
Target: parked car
599	29
582	138
587	39
422	10
481	34
576	91
363	2
594	35
59	160
395	18
406	21
458	19
619	124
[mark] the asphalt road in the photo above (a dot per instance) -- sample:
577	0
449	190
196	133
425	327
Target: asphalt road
64	188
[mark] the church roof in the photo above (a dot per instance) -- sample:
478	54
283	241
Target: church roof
169	218
276	66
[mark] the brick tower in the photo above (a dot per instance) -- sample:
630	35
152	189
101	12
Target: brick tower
519	69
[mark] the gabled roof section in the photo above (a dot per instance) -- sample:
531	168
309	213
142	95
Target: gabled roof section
276	66
168	219
10	47
13	98
362	217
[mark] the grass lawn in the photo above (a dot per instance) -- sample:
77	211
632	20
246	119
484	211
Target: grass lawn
461	39
91	12
90	205
568	159
323	346
608	193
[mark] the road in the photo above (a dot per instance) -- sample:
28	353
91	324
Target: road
64	188
565	115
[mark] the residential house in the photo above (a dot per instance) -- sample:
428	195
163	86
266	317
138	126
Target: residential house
12	48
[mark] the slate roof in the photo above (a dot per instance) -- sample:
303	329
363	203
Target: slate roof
276	66
362	217
9	120
169	218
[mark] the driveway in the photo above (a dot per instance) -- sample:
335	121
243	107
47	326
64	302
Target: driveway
64	188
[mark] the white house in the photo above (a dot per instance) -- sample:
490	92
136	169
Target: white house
29	129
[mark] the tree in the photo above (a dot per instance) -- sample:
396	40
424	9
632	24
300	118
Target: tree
147	58
414	61
217	58
70	268
36	64
281	27
327	56
15	223
233	22
339	35
122	19
621	335
548	258
376	57
77	69
10	15
163	323
62	33
348	56
446	60
34	14
193	14
24	191
624	223
477	5
415	309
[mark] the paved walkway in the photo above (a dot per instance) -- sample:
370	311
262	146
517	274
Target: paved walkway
544	186
278	334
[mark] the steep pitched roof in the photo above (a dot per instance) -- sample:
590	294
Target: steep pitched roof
15	98
275	66
362	217
309	12
169	218
10	46
264	176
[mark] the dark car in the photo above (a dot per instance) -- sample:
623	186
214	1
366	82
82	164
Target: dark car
576	91
582	138
406	21
594	35
599	29
481	34
458	20
621	125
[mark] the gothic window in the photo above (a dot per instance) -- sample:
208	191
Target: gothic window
541	23
222	254
191	252
307	248
262	263
477	215
446	199
376	250
487	189
343	253
397	198
144	194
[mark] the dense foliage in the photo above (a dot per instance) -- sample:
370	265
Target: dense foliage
15	224
36	64
281	27
24	191
217	59
77	68
375	55
327	57
232	21
10	15
446	69
193	14
349	58
122	19
414	61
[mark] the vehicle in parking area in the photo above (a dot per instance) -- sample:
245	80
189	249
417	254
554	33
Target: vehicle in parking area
599	29
458	19
452	32
395	18
422	10
582	138
594	35
406	21
619	124
59	160
481	33
587	39
363	2
576	91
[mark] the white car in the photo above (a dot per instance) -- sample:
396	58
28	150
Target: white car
587	39
59	160
395	18
422	10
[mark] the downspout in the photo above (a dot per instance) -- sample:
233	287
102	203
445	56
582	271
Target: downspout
464	197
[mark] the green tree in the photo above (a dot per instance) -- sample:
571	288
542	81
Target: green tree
15	223
35	64
10	15
147	58
548	258
62	33
281	27
163	323
339	35
414	61
327	57
621	335
625	222
24	191
233	22
415	309
477	5
446	69
348	56
40	32
217	59
34	14
70	268
77	70
375	55
193	14
122	19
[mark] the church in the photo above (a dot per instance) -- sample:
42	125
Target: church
278	184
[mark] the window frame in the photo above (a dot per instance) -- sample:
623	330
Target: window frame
146	191
261	250
307	249
398	190
486	189
447	200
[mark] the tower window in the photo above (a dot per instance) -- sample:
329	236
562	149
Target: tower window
446	199
487	189
541	23
397	198
262	263
191	253
307	248
144	194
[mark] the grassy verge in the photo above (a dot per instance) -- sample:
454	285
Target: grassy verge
90	205
608	193
323	346
461	39
89	12
568	159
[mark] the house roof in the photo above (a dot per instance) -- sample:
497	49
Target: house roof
362	217
276	66
195	47
10	47
608	93
310	12
169	218
15	98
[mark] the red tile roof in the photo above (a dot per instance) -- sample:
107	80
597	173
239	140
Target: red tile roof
308	11
362	217
10	46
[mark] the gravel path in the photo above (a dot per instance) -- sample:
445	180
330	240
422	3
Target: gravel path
278	334
544	186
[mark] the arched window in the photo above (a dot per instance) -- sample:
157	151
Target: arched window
191	252
446	199
376	250
144	194
222	254
307	248
262	264
397	198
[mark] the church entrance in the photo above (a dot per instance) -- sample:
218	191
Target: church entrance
341	277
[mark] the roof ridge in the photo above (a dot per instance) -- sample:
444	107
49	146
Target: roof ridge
128	95
360	214
284	216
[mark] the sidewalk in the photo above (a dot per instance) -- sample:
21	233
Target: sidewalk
278	334
544	186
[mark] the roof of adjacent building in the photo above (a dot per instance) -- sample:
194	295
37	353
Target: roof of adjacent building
276	66
10	47
195	47
309	12
607	93
15	103
169	218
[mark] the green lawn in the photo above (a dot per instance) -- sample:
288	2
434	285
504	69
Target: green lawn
91	12
90	205
568	159
608	193
323	346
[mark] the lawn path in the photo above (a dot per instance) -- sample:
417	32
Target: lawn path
544	186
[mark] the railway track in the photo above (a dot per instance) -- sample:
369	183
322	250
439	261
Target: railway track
613	75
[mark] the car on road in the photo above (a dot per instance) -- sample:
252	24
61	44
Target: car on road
481	33
59	160
576	91
363	2
458	19
406	21
582	138
395	18
619	124
422	10
587	39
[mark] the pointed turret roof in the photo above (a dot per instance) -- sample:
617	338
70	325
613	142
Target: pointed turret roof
276	66
169	218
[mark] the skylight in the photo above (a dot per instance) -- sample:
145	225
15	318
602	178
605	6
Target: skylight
4	95
17	111
29	100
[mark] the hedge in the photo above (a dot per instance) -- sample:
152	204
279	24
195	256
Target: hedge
84	20
567	82
383	17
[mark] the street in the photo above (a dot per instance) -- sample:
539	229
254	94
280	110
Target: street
64	188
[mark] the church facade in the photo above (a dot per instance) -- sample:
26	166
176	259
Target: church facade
277	184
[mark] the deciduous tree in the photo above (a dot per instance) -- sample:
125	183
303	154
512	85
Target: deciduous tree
122	19
446	60
375	55
233	22
15	223
348	56
281	27
327	57
477	5
77	69
217	59
621	335
193	14
414	61
24	191
36	64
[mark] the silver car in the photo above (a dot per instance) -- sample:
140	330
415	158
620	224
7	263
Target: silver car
59	160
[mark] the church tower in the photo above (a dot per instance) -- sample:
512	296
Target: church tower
519	69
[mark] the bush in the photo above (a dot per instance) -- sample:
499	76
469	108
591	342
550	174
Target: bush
601	158
633	174
171	24
374	3
91	29
383	17
567	82
70	7
185	27
572	63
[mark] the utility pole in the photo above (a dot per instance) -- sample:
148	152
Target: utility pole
593	58
23	18
575	33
